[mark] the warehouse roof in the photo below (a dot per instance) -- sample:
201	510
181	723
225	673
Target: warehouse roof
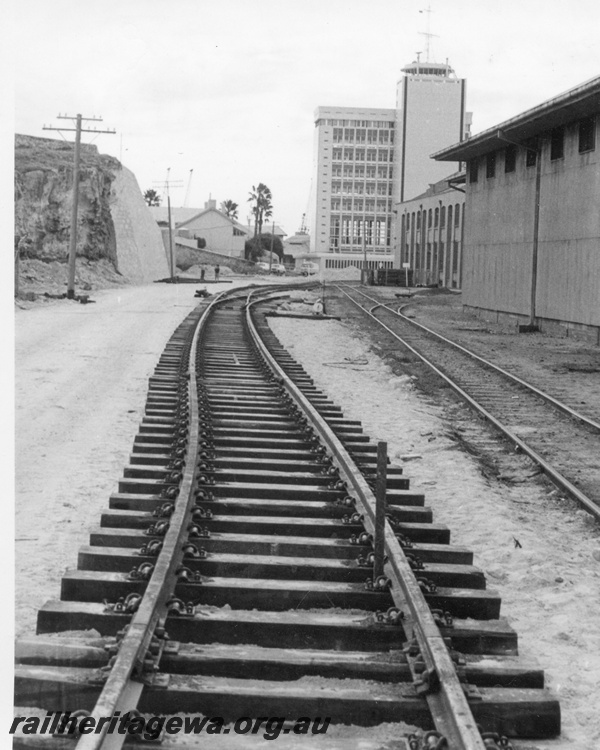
581	101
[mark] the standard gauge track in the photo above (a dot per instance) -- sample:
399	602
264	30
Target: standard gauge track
558	438
232	577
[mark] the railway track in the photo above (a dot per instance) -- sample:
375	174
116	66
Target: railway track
557	437
238	574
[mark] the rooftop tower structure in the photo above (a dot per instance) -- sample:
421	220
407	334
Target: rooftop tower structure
430	115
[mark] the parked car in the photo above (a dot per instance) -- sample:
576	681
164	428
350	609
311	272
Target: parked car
278	268
262	267
308	269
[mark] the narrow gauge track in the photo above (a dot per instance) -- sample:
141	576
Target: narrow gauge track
231	575
558	438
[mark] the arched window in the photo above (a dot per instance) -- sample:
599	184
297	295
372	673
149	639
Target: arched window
443	217
418	219
429	216
436	218
457	215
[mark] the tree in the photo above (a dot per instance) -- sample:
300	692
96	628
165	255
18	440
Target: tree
260	246
230	209
152	198
263	208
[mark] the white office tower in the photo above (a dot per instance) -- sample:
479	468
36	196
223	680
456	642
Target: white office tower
430	115
352	190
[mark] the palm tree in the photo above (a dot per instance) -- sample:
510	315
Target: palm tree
230	209
152	198
263	208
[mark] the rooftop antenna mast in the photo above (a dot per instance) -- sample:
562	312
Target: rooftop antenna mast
427	34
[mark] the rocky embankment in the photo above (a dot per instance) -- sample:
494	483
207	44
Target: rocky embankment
118	242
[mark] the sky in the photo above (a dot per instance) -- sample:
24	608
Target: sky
229	89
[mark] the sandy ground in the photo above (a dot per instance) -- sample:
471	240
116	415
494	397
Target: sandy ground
81	383
550	586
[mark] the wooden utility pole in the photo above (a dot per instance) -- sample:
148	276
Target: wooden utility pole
166	185
73	236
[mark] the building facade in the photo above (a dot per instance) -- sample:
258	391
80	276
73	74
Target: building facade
222	234
532	230
367	160
431	234
430	114
353	186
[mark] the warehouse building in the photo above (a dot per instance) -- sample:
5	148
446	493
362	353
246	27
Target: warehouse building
531	248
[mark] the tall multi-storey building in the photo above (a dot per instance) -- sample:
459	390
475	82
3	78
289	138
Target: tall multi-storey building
430	110
353	187
367	160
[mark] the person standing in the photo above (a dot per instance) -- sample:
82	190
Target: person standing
217	272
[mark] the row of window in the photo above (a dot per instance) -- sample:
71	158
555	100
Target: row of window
586	141
361	188
360	172
361	135
358	205
432	217
431	256
356	123
368	232
361	154
344	263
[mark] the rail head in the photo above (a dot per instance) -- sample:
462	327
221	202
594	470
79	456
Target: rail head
556	477
515	378
123	686
449	706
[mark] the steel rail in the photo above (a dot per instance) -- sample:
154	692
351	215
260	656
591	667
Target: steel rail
125	682
446	699
558	479
542	394
122	690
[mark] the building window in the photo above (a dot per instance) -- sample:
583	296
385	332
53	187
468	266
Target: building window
510	158
349	136
490	165
436	218
557	143
429	217
473	170
457	215
359	154
587	134
360	136
443	216
531	156
371	155
337	135
337	154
